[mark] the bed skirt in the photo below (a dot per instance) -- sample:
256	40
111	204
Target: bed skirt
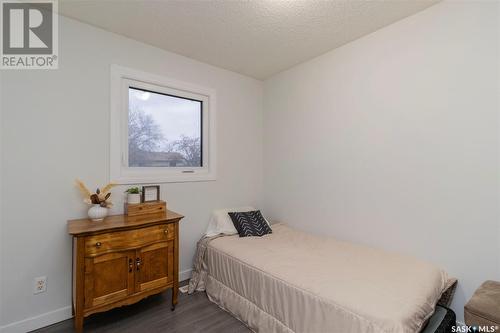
242	309
257	320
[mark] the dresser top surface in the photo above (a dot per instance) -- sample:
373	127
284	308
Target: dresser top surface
86	226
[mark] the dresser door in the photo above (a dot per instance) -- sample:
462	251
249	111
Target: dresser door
109	278
156	266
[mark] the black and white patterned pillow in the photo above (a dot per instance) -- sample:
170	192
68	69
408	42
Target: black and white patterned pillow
250	223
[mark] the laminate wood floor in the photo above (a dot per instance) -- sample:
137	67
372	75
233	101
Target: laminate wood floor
193	313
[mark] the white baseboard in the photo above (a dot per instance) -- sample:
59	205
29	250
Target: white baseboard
186	274
42	320
55	316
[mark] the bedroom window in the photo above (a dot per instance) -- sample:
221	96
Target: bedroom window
161	130
164	130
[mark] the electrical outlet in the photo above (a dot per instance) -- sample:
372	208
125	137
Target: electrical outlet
39	284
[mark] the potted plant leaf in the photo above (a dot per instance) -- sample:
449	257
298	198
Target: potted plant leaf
133	195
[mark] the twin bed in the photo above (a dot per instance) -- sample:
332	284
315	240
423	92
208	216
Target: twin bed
291	281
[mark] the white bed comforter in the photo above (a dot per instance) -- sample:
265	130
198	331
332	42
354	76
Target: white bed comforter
291	281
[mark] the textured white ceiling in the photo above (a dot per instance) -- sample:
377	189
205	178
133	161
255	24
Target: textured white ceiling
257	38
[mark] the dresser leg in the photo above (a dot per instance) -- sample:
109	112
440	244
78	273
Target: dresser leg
79	279
78	322
175	292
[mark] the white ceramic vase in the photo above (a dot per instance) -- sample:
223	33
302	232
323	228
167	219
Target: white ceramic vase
97	213
134	198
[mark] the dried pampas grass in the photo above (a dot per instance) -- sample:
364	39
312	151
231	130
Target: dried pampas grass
105	190
83	189
100	197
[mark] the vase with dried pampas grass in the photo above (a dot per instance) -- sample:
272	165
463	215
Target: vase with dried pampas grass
100	200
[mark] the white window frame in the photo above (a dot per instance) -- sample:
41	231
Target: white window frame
121	79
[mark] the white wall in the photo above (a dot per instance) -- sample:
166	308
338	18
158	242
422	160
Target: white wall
1	201
392	141
56	128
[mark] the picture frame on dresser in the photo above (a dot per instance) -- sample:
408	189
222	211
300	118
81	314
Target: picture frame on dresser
150	193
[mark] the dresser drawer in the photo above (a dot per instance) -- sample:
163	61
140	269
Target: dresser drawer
121	240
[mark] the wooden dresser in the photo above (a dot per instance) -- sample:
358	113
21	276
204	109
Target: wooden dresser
122	260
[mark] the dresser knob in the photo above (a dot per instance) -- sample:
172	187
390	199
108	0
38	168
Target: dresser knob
98	244
138	263
166	231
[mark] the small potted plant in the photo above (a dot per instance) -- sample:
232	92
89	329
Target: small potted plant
133	195
99	200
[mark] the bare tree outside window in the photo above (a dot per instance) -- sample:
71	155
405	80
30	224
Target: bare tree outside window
163	130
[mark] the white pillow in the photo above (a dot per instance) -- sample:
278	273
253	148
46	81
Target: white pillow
221	223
